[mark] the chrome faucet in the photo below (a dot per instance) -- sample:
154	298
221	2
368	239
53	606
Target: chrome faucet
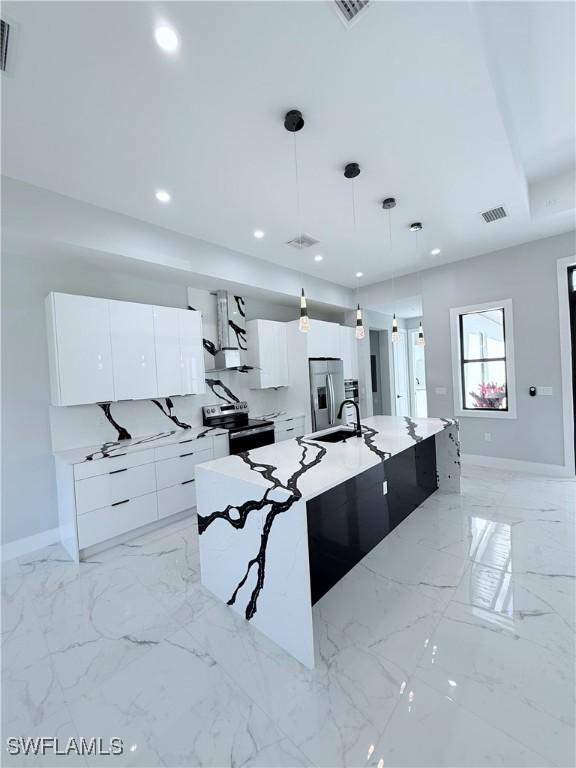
358	428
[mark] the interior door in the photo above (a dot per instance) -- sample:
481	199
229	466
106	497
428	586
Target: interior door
401	377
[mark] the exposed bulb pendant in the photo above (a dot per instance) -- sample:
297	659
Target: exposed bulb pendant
420	341
304	324
395	338
359	324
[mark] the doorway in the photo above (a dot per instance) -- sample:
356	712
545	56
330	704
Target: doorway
380	372
417	377
401	375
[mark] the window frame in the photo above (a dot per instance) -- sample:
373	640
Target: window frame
459	360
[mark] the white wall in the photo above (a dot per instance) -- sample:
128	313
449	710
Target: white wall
28	484
527	275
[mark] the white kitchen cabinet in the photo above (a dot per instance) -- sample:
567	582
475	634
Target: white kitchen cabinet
179	351
349	351
80	352
167	348
133	350
323	339
102	350
288	428
191	352
268	353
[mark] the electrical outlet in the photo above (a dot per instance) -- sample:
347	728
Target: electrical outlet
384	487
440	390
488	437
544	391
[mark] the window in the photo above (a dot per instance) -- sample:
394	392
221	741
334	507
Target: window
482	360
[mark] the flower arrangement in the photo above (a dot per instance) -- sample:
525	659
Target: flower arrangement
489	395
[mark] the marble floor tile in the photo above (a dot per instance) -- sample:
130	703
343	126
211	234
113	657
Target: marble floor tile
515	685
178	707
389	618
529	606
428	730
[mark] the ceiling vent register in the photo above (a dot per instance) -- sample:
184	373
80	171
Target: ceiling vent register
302	241
494	214
350	10
4	34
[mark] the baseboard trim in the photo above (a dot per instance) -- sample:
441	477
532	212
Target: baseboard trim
514	465
20	547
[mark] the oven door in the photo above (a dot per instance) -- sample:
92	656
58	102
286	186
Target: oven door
247	439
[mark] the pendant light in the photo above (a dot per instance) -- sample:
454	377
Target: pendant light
294	122
388	205
352	171
417	227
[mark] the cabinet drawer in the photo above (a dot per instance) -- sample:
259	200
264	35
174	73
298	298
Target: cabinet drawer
176	499
190	446
117	485
120	461
179	470
102	524
286	430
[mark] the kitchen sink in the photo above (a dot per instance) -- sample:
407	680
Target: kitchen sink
334	437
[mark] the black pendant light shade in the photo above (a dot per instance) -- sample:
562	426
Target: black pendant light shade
359	324
389	203
416	227
293	121
352	170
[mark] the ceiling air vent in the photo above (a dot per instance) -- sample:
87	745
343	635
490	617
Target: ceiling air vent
349	10
4	34
302	241
494	214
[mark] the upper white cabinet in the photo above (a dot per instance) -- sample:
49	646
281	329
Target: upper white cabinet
102	350
349	351
323	339
191	352
80	351
168	358
133	350
268	353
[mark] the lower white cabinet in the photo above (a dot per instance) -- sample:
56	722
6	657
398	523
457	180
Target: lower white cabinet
289	428
177	498
106	523
101	499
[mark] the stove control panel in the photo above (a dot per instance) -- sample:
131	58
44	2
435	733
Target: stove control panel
224	409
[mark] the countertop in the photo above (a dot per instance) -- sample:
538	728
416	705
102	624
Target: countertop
279	416
320	466
157	440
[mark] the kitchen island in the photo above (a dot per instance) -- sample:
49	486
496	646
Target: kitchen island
280	525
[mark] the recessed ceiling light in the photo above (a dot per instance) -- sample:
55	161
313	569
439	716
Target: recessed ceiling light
434	251
258	234
166	38
359	274
318	257
162	196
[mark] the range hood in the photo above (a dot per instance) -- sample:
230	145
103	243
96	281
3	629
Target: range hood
227	357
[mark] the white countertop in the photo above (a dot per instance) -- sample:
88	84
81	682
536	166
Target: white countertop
336	462
94	452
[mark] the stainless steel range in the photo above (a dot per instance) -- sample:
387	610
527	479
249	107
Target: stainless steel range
244	433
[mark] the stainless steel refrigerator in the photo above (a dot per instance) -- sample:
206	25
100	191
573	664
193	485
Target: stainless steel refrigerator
326	391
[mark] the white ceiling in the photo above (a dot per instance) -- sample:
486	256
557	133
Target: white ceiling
453	108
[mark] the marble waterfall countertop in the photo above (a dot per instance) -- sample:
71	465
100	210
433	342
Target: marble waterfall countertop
157	440
320	466
253	526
